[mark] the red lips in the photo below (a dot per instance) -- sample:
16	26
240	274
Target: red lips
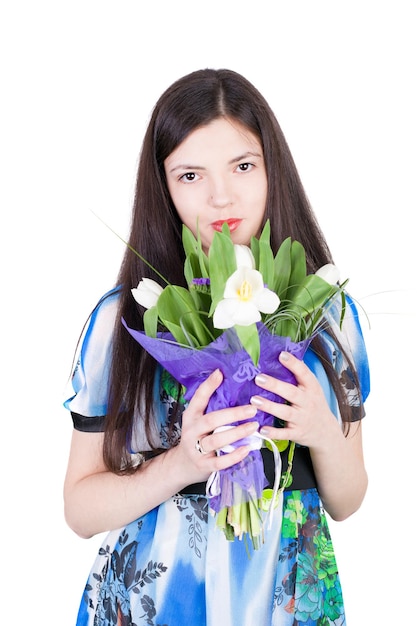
233	223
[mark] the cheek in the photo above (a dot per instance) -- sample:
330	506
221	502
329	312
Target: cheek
187	215
257	191
258	201
190	204
188	212
179	199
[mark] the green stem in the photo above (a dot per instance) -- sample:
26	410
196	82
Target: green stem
287	475
131	248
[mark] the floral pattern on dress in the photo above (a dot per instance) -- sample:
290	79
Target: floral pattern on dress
122	587
310	589
119	578
196	512
170	434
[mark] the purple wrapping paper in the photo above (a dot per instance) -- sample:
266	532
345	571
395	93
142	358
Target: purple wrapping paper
190	367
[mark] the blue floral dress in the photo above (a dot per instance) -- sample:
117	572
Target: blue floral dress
173	566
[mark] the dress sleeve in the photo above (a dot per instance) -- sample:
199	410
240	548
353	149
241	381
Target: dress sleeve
87	391
350	337
352	341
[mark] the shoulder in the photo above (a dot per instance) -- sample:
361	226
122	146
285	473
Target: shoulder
87	392
103	316
107	307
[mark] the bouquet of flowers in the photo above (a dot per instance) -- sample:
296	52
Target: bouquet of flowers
242	307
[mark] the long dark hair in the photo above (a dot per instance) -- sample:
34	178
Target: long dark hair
191	102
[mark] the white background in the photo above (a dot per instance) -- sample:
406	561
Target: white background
78	81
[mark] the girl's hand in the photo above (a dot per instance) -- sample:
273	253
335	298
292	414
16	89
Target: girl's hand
337	459
307	415
199	442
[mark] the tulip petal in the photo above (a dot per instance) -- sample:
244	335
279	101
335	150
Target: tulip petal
246	313
235	281
147	292
244	256
232	311
223	314
267	301
330	273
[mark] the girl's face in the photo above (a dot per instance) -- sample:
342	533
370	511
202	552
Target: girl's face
216	175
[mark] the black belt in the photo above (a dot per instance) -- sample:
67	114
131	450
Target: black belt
302	471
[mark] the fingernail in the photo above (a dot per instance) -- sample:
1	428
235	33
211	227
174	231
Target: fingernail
264	431
284	356
256	401
254	426
260	378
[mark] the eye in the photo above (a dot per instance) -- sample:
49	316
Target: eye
245	167
188	177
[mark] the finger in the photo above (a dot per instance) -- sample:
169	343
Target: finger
224	461
214	462
278	434
207	453
200	399
287	391
300	370
228	435
236	414
277	409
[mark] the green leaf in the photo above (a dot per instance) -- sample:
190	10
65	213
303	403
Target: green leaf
343	310
222	264
311	293
196	261
249	339
288	323
150	321
282	268
177	312
183	338
254	246
189	242
266	258
338	290
192	269
299	317
189	268
298	268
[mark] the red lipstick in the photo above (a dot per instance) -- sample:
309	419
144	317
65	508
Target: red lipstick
233	223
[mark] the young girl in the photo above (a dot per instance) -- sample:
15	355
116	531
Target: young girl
213	153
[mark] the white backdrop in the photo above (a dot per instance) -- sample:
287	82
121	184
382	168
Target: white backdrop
79	80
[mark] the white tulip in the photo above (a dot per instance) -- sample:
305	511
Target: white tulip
147	293
244	256
245	298
329	273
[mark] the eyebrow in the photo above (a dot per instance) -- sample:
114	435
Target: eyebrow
185	166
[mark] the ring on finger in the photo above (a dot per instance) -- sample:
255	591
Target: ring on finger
199	447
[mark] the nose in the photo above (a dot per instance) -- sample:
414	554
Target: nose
221	194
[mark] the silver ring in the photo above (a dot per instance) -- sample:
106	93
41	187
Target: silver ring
199	447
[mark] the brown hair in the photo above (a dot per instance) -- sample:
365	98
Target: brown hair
192	102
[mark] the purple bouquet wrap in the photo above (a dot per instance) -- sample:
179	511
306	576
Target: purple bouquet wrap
190	367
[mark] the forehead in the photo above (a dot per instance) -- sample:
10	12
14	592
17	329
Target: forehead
223	135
